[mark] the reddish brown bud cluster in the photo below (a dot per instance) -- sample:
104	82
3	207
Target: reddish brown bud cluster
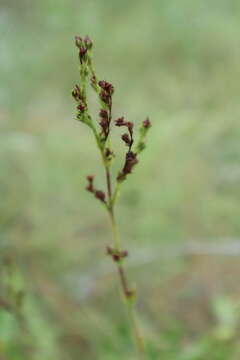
82	53
108	154
100	195
104	122
128	139
106	92
121	122
106	86
103	114
105	95
90	187
80	99
81	107
125	137
146	123
77	94
117	255
130	161
131	157
88	42
83	45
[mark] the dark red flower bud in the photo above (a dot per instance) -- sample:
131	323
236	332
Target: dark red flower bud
90	178
90	187
81	107
106	86
78	41
100	195
82	53
130	125
76	93
120	122
146	123
116	254
103	114
116	257
88	42
104	123
105	97
130	161
109	88
106	92
102	84
125	137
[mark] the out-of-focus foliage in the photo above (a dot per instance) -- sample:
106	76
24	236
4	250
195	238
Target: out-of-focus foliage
178	62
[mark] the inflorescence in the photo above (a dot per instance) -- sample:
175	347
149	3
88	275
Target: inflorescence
102	128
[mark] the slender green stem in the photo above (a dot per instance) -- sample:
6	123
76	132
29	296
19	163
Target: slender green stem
129	296
115	231
138	336
115	194
109	185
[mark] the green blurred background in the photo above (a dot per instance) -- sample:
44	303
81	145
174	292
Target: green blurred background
179	63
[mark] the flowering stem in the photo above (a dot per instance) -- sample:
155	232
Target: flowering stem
104	91
129	295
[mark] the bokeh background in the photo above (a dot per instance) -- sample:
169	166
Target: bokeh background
179	63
